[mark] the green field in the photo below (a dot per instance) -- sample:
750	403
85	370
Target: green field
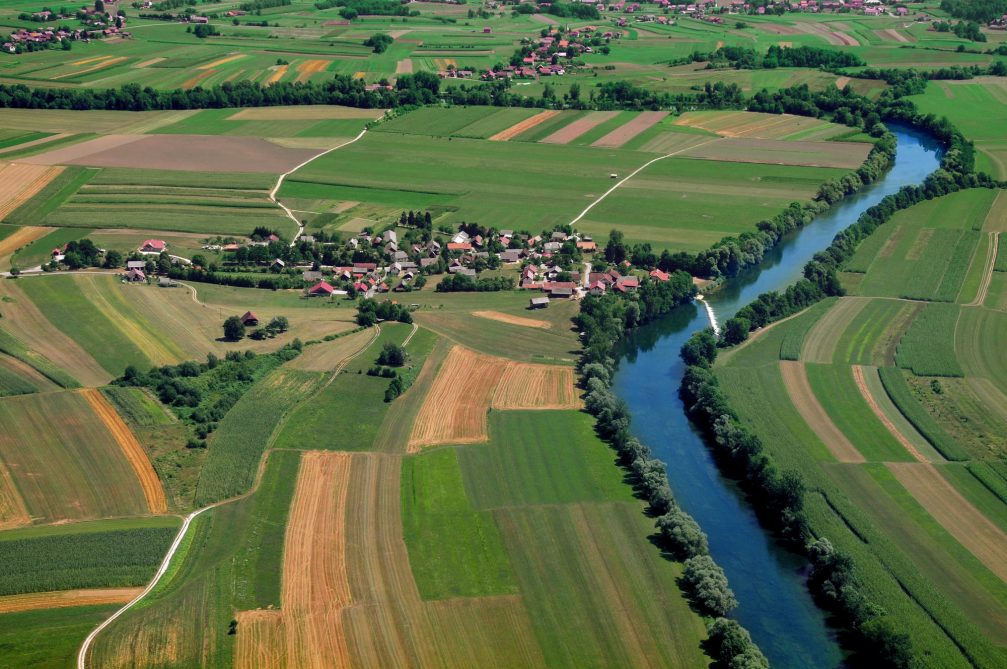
231	562
96	554
47	639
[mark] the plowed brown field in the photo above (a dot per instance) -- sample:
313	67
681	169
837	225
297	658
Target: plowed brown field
570	132
628	131
65	598
19	182
523	126
956	514
309	67
795	378
513	320
131	448
526	386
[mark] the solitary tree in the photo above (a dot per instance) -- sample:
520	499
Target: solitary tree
392	355
234	329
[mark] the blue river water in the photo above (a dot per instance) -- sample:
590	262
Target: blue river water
769	582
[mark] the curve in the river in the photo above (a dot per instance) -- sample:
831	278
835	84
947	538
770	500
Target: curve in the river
774	603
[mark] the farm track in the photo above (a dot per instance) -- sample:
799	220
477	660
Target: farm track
647	164
977	533
795	379
984	286
865	392
279	182
153	492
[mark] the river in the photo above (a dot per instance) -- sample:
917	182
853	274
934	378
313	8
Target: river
774	603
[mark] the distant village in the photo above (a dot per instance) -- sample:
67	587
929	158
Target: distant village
102	20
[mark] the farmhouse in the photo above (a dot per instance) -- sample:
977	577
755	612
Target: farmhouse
153	246
249	319
135	275
321	288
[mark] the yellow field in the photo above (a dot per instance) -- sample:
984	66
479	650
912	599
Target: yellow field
19	182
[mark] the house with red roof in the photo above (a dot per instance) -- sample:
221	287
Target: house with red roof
321	288
658	275
249	319
153	246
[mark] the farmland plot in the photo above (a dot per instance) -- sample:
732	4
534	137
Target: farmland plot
62	460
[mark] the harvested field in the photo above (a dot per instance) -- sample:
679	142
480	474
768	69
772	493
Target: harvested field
194	81
847	155
833	37
309	67
628	131
24	320
221	61
523	126
304	113
306	633
20	237
957	515
821	340
13	512
892	35
278	71
191	153
513	320
131	448
454	411
20	182
525	386
328	355
753	124
404	66
858	376
64	598
148	63
795	378
574	130
97	66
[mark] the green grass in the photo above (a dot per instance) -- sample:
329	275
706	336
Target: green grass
231	563
137	406
872	336
69	309
47	639
793	339
346	414
928	347
977	493
454	550
52	195
541	457
97	554
901	395
837	391
437	122
237	445
979	345
21	138
11	383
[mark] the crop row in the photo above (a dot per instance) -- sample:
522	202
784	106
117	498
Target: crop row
928	347
116	558
898	390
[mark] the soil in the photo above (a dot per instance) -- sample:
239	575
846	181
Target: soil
628	131
795	378
568	133
523	126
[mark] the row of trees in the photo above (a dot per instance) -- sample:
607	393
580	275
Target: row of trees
744	58
460	283
371	311
778	497
603	321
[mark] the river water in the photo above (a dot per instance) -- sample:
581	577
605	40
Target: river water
774	603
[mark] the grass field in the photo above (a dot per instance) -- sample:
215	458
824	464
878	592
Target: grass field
63	462
48	639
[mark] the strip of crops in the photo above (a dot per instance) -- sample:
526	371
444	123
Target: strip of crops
1000	264
928	347
901	395
119	199
52	195
12	384
793	340
14	348
958	267
116	558
986	475
125	177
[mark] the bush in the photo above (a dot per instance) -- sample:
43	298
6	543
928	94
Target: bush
681	534
234	329
706	585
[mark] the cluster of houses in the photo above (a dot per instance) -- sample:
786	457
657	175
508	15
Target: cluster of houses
999	24
543	58
98	24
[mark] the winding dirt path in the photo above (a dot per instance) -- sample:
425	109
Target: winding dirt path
991	257
632	174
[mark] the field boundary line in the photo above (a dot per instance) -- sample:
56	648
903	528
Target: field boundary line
634	173
279	182
991	258
865	392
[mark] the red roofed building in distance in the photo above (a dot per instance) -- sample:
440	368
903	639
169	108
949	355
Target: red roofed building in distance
459	246
658	275
321	288
154	246
250	319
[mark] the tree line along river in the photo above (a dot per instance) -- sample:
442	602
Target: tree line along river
769	582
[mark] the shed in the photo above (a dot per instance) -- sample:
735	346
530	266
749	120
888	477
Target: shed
539	302
250	319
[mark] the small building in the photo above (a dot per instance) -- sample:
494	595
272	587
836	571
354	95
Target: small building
278	265
153	246
249	319
311	276
136	264
539	302
321	288
135	275
587	246
165	282
658	275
